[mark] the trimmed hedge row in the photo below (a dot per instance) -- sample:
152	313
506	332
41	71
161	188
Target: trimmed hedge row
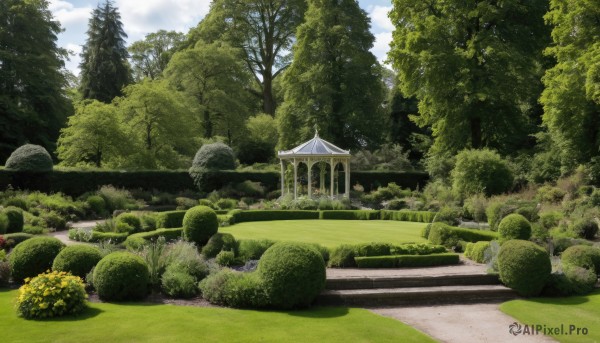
476	251
260	215
408	216
449	236
399	261
136	240
350	215
78	182
169	219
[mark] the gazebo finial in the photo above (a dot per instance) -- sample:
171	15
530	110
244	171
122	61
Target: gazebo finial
316	130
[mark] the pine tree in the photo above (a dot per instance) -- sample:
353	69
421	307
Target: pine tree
104	67
33	104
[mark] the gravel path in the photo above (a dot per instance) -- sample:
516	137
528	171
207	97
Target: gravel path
63	236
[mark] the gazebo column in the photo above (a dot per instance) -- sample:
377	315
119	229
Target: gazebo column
347	174
309	165
295	179
282	178
331	177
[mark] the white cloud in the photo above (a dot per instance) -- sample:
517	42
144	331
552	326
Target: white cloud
379	18
382	45
68	14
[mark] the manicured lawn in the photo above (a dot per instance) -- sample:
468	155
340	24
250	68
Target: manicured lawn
330	233
582	312
168	323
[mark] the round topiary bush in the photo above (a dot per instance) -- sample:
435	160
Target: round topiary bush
121	276
217	243
130	219
481	171
51	295
15	219
585	228
514	226
293	274
524	267
215	156
199	224
77	259
30	157
583	256
33	256
96	204
3	223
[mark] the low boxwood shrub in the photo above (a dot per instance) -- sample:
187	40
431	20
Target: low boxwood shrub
121	276
400	261
19	202
586	228
219	242
130	219
30	158
53	220
524	267
573	280
251	249
561	244
77	259
199	224
3	223
372	249
15	219
342	257
51	294
33	256
225	258
96	204
136	240
476	251
268	215
169	219
514	226
293	274
12	239
235	289
351	215
408	216
33	230
113	237
448	236
178	283
582	256
417	249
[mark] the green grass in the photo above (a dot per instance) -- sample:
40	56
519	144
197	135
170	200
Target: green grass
142	322
330	233
581	311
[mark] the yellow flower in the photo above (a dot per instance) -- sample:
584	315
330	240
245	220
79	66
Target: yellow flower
63	284
44	306
27	280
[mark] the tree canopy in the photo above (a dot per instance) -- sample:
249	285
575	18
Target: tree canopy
151	55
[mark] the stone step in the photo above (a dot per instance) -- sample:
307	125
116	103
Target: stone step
378	297
349	283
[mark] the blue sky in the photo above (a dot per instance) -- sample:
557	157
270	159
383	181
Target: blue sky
141	17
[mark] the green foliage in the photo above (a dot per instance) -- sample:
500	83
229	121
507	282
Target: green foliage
170	219
104	67
259	146
342	257
468	69
225	258
177	283
498	209
32	93
150	56
136	240
408	216
350	215
477	251
573	280
96	204
77	260
585	228
121	276
514	226
226	204
481	171
524	267
199	224
116	199
15	219
448	236
185	256
582	256
215	156
52	294
219	242
4	222
342	85
267	215
30	158
12	239
234	289
407	261
389	157
251	249
372	249
33	256
293	274
131	220
550	194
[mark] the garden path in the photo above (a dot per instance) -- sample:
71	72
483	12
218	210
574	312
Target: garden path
63	236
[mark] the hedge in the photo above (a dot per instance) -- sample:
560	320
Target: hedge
114	237
260	215
408	216
350	215
169	219
449	236
75	183
168	234
399	261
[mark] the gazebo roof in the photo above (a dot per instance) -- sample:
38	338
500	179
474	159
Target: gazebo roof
316	147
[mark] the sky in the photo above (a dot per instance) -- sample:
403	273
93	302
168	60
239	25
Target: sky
141	17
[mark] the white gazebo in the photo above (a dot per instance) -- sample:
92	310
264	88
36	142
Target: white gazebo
315	151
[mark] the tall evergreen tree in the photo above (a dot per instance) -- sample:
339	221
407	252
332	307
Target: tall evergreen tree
334	82
33	104
571	98
263	29
104	67
474	66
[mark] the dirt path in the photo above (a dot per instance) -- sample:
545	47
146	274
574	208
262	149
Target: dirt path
461	323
